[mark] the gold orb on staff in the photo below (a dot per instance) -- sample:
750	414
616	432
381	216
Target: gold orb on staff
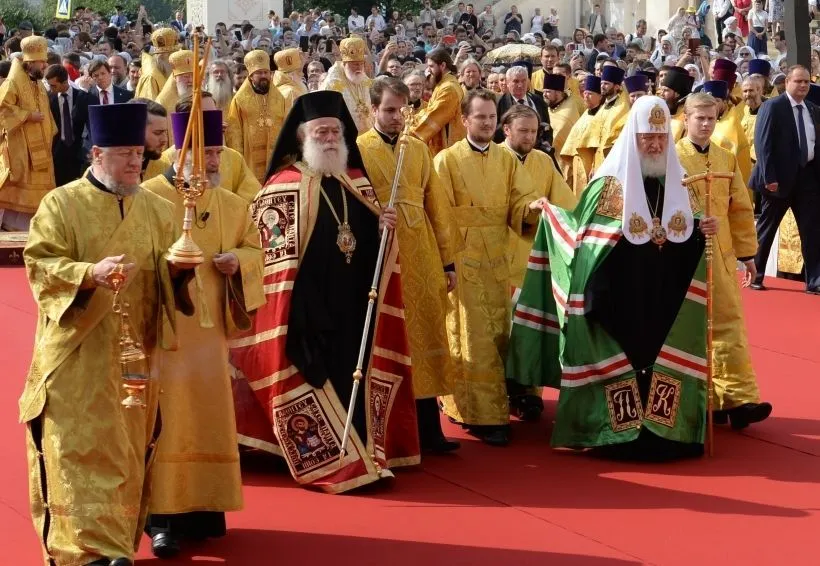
185	250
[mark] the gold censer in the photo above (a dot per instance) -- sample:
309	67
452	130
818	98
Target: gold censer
133	361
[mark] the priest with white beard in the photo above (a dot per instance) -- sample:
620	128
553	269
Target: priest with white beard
220	85
320	224
180	84
350	78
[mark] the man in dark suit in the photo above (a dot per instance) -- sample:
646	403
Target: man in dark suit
177	23
601	44
69	107
518	86
787	173
105	91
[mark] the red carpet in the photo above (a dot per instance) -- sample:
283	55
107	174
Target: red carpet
755	503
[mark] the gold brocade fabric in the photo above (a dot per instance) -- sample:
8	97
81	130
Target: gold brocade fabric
254	121
95	452
678	125
156	167
289	88
428	240
734	378
730	136
168	98
748	121
562	118
26	163
545	181
439	124
576	158
789	251
235	175
152	80
197	460
572	89
356	96
491	194
611	120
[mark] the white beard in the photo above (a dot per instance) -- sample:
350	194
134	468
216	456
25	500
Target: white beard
653	166
183	90
120	189
325	162
222	92
214	180
355	77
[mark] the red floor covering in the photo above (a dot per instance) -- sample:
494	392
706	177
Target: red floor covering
756	502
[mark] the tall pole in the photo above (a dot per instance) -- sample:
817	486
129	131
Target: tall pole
796	24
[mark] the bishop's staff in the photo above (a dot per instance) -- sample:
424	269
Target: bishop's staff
407	112
185	250
707	176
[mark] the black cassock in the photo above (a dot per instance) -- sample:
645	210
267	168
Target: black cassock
329	301
635	295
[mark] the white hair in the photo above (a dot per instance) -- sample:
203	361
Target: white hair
327	158
518	71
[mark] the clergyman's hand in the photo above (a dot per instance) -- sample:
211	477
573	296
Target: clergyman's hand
539	204
451	280
106	266
388	218
751	273
36	117
226	264
709	226
771	187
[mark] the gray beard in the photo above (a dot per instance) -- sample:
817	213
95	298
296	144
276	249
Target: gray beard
653	166
222	92
118	189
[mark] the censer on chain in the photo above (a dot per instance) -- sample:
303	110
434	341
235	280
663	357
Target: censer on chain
185	250
133	361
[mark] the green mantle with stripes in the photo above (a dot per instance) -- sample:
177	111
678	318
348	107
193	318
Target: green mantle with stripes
554	344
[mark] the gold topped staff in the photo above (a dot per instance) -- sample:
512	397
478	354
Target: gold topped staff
707	176
407	112
185	250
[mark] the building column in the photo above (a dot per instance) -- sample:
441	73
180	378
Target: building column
211	12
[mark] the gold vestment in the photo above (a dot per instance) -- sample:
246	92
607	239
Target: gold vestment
254	121
26	163
428	240
288	88
577	155
95	454
611	122
490	194
562	118
356	96
730	136
197	460
546	181
152	79
439	124
734	377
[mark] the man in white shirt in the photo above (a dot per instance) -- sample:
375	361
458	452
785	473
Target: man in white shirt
722	10
355	21
427	15
376	18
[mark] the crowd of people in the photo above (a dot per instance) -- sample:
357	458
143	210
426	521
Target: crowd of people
548	230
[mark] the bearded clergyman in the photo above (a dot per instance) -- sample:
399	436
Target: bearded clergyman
350	79
288	75
619	318
26	163
320	223
179	85
156	67
256	115
220	85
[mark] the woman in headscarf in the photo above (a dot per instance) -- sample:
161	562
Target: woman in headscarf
695	73
664	51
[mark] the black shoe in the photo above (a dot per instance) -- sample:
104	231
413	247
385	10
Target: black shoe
121	562
528	408
758	287
815	291
164	545
749	413
720	417
441	446
494	435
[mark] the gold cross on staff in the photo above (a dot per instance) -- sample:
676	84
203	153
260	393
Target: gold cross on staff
708	176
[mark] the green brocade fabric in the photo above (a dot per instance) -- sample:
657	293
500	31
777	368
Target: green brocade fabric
554	342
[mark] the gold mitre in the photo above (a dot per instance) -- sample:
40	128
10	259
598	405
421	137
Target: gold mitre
35	48
353	49
164	40
257	60
182	62
288	60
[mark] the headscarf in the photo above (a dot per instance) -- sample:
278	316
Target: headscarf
649	114
698	74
